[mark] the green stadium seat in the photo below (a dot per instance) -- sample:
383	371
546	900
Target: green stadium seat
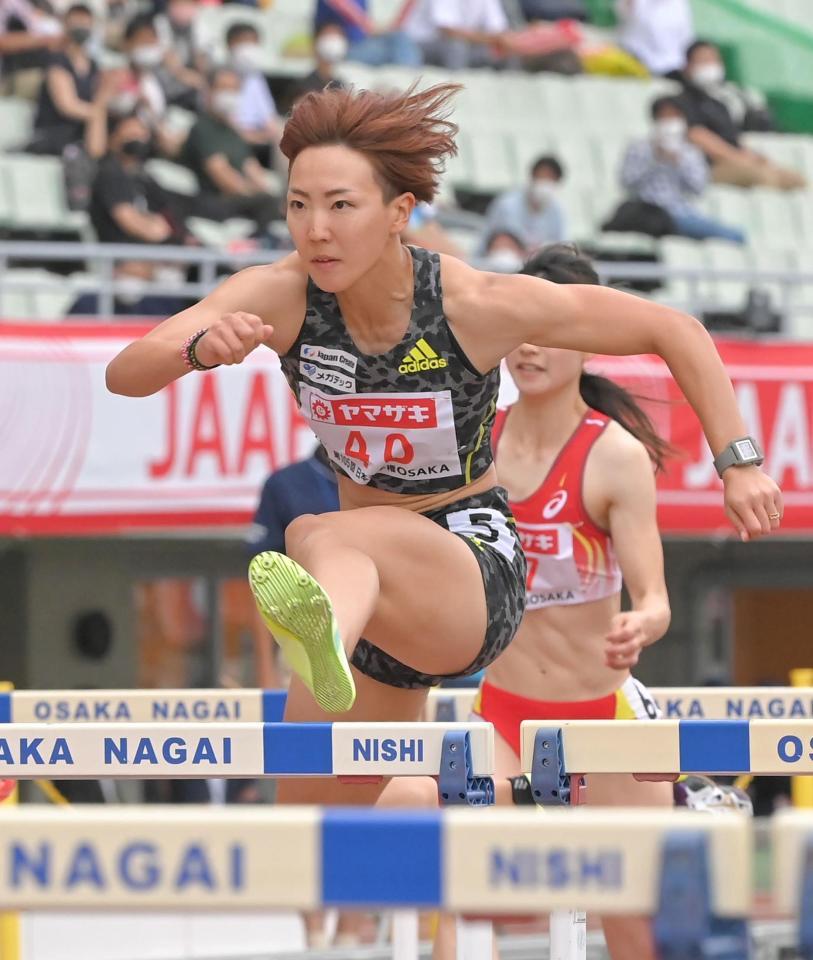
172	176
45	296
219	235
37	194
16	122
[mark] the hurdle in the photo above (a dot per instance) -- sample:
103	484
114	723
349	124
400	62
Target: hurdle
669	747
461	755
507	862
792	832
556	754
446	705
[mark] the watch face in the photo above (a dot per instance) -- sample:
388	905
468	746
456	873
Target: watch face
746	450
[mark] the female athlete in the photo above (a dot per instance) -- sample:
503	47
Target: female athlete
576	455
393	353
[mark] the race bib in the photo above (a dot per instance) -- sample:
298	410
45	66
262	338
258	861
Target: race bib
552	573
410	436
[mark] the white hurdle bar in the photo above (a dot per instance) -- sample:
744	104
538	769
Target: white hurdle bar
792	836
506	862
728	747
445	704
177	750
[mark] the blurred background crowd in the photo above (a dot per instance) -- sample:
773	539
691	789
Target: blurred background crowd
634	127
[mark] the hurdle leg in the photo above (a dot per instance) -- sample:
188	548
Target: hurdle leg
405	942
568	935
475	939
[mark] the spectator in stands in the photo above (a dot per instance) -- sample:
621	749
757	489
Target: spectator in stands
27	34
662	174
532	212
72	104
127	206
183	70
457	34
705	71
305	487
368	43
656	33
705	100
138	87
330	47
256	116
232	181
505	252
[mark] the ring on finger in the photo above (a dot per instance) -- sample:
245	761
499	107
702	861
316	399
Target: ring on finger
774	516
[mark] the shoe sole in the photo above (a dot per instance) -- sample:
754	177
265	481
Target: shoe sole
298	613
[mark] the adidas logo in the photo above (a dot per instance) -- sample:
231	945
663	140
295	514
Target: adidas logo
422	357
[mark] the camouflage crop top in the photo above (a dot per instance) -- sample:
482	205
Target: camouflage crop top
416	419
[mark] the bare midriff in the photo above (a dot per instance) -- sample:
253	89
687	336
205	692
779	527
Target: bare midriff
354	495
559	654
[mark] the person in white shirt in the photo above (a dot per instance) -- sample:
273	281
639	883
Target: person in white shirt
656	32
256	115
457	34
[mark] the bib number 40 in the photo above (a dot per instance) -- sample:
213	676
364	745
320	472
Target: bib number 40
397	449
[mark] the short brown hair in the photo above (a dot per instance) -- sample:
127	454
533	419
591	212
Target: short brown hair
406	135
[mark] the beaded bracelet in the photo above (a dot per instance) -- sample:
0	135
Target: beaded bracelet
188	352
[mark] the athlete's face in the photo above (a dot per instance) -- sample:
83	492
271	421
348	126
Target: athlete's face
539	371
338	217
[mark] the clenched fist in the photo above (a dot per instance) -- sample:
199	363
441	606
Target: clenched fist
231	339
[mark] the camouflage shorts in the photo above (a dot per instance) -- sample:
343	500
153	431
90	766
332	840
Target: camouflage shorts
485	523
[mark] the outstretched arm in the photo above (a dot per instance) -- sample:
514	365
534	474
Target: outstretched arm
500	312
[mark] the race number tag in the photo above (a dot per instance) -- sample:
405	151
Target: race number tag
551	568
410	436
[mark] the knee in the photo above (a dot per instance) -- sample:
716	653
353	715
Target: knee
300	530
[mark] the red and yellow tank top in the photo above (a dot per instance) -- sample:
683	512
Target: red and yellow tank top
570	558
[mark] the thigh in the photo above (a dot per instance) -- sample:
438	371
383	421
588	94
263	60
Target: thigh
431	610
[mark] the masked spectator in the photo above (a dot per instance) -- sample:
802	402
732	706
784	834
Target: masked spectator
232	181
532	212
330	48
706	100
663	175
256	115
72	105
368	43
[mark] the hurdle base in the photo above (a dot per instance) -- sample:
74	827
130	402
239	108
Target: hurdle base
457	784
550	783
685	928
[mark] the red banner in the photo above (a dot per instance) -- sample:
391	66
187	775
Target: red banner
75	459
774	386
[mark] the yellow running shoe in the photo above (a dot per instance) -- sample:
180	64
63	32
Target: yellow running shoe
298	613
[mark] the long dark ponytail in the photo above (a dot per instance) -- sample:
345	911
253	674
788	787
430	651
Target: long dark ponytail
564	263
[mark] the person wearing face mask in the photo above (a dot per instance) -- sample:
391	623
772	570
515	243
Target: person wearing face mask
330	47
140	87
73	98
718	113
232	181
661	175
183	70
532	212
256	115
504	252
128	206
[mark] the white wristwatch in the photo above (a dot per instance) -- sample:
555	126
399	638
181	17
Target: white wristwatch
739	453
